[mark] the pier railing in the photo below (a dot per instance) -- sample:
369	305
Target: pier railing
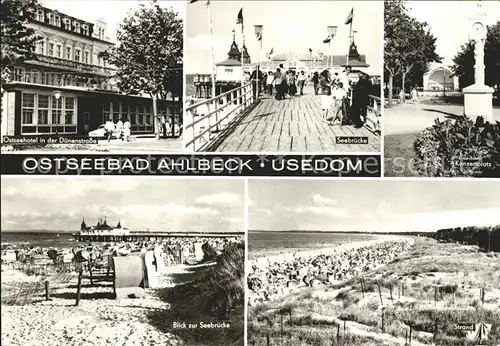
204	121
373	121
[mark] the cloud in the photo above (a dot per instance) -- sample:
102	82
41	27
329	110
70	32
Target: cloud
262	211
317	210
232	219
203	43
220	199
320	201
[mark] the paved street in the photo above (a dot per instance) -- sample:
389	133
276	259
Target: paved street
411	118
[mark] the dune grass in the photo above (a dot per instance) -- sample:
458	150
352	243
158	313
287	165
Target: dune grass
216	297
433	285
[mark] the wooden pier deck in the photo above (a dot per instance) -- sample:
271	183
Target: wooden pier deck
290	125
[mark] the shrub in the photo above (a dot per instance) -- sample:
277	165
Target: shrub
445	149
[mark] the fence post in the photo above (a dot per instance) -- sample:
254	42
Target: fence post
380	294
79	286
390	290
47	290
435	330
281	329
383	320
267	339
363	287
435	295
338	333
411	329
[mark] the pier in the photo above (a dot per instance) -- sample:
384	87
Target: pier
235	122
148	236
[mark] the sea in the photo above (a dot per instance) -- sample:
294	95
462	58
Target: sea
268	243
37	239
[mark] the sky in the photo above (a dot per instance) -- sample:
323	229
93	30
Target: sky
139	203
288	26
113	11
449	21
372	205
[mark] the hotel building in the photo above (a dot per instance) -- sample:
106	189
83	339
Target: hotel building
68	89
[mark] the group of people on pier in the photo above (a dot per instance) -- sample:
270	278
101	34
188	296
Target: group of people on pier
341	100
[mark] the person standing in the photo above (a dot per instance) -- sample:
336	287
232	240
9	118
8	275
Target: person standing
339	95
126	130
325	92
109	127
360	100
292	88
414	95
301	82
119	128
256	79
278	82
315	80
269	83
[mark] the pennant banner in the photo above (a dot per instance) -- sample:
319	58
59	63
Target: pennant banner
239	20
258	32
349	17
328	39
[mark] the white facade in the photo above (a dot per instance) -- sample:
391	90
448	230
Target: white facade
440	77
228	73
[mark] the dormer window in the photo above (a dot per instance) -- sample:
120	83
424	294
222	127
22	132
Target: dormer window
85	29
40	16
101	33
67	23
77	26
57	20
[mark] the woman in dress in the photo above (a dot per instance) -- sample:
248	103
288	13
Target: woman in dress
325	90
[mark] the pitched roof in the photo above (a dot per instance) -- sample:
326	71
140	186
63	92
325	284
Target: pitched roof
229	62
304	56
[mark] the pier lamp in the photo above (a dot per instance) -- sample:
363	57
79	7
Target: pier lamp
57	94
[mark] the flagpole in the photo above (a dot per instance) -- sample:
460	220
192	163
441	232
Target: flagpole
242	47
258	67
212	46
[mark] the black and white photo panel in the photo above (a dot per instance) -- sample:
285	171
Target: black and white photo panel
283	76
442	89
122	261
406	262
80	77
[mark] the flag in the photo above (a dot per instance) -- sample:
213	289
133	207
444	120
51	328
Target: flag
258	32
328	39
349	17
239	20
310	51
271	52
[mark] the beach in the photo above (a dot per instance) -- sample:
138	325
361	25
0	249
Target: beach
421	293
29	319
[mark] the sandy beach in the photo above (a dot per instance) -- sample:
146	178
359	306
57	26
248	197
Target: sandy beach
98	320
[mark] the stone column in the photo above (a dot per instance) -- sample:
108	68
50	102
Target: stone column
478	97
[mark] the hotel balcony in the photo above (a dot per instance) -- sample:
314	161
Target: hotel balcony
71	66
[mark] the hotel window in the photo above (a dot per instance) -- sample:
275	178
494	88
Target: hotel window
43	109
87	57
56	110
147	115
101	34
77	27
116	111
50	78
40	16
140	115
58	50
106	111
57	21
67	23
51	49
68	53
41	47
133	114
28	108
69	110
51	19
58	79
19	74
78	53
85	29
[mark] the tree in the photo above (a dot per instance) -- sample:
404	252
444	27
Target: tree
464	60
149	56
407	43
18	41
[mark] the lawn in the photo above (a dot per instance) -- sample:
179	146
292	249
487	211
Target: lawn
399	155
